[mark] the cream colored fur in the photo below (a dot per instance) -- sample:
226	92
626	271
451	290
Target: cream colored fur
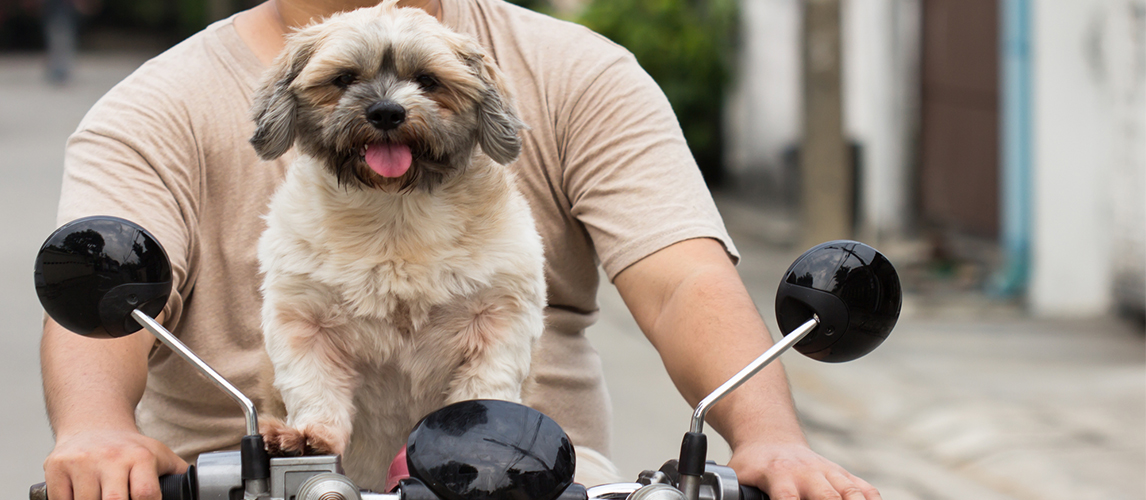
383	302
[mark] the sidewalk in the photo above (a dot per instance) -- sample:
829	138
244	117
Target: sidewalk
975	401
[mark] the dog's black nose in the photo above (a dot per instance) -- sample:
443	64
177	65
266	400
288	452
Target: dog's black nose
385	115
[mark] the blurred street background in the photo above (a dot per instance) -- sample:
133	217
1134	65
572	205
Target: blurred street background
995	150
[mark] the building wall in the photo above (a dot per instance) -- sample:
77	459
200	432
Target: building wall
765	103
880	81
1088	150
1088	184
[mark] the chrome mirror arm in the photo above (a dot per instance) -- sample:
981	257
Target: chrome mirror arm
747	372
170	340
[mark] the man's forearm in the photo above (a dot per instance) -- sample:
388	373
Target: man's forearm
709	331
690	302
91	387
92	383
706	328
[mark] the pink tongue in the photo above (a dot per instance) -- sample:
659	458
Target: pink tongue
388	160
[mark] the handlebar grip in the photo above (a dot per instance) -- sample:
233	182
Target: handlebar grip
752	493
183	486
38	491
172	486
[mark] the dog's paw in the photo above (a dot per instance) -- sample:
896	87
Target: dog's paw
314	439
281	440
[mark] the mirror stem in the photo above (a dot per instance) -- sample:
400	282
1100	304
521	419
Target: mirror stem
755	366
694	448
256	463
180	348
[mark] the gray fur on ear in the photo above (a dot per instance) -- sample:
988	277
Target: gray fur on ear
499	122
275	106
498	135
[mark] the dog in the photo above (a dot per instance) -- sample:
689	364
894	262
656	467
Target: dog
402	269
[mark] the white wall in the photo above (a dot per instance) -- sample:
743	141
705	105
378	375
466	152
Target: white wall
1088	125
881	82
765	103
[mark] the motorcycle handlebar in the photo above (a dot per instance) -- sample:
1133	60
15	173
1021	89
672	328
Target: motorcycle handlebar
171	487
182	487
752	493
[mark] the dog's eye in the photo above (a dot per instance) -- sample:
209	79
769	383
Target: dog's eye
344	80
427	82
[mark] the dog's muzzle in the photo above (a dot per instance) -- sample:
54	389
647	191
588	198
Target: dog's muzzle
385	115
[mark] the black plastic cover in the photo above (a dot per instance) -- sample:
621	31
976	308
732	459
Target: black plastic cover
693	453
491	450
256	462
574	492
95	271
853	289
413	489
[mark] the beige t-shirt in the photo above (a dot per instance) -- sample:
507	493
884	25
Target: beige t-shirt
604	168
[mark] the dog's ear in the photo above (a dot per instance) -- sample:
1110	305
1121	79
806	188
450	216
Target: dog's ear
499	122
275	106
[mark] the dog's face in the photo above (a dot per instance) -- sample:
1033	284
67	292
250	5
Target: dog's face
387	98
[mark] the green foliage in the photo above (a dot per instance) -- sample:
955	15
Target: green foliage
687	46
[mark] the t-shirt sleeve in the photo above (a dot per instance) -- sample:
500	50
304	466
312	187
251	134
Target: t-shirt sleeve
629	175
134	157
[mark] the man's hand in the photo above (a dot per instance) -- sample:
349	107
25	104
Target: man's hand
91	388
794	471
108	465
691	304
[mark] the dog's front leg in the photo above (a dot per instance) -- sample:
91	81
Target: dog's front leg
317	381
497	342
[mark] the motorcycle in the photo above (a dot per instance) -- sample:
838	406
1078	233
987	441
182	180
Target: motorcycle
103	275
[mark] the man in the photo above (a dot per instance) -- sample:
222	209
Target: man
606	173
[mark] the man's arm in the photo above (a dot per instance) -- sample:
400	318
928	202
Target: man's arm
91	387
693	307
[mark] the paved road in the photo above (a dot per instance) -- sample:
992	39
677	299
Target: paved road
966	400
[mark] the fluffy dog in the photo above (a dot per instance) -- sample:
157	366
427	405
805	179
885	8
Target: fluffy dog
402	269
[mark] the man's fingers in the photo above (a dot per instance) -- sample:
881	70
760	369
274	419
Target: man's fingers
810	483
84	487
109	465
783	491
805	487
167	462
144	482
851	487
819	488
796	472
113	485
144	479
59	486
69	477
